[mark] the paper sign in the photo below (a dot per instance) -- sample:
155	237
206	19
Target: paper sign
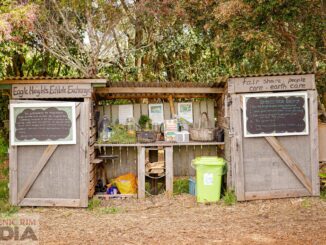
208	179
125	111
155	112
185	111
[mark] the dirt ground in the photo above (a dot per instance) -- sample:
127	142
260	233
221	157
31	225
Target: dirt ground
180	220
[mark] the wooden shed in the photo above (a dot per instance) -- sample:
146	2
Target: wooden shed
274	136
46	170
269	155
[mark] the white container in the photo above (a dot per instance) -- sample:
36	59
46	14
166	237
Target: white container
182	136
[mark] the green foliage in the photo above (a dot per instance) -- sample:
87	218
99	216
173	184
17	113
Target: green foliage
180	186
120	135
145	122
229	197
93	204
5	208
323	194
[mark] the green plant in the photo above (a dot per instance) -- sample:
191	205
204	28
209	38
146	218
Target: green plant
145	122
93	204
180	186
229	197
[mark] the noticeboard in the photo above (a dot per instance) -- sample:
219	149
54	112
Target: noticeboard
43	123
275	114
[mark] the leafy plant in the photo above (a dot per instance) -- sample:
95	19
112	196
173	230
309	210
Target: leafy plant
145	122
180	186
229	197
93	204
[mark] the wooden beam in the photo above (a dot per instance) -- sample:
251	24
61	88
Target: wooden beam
171	103
150	96
13	175
169	170
258	195
141	171
36	171
84	157
159	90
55	81
237	147
288	160
314	149
50	202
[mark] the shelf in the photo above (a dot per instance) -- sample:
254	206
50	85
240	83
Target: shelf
162	143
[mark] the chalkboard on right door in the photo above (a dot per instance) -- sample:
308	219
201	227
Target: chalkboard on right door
275	114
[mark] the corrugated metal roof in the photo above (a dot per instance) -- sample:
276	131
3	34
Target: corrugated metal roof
270	74
166	84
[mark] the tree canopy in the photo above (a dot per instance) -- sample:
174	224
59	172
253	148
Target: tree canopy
162	40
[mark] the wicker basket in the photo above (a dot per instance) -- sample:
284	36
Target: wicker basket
146	136
203	133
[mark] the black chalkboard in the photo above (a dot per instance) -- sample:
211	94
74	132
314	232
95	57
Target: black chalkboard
275	115
42	124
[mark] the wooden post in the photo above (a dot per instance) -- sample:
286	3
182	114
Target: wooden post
314	149
169	170
141	171
171	106
237	147
83	153
13	175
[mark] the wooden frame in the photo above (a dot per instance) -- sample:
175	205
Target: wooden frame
70	105
265	95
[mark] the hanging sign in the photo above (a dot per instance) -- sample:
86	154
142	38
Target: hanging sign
155	112
30	91
43	123
185	111
275	114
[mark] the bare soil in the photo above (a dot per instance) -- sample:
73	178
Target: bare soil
180	220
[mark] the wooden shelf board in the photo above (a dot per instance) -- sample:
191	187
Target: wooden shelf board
163	143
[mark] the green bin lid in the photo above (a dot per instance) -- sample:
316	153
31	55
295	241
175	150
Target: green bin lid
209	161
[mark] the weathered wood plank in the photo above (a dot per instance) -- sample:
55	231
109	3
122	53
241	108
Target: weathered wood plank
276	194
159	90
196	112
115	114
13	177
271	83
282	152
84	157
137	112
37	170
169	170
141	171
237	147
50	202
314	149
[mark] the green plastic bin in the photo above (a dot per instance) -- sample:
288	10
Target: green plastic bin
209	171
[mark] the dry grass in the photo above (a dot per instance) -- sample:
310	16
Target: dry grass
180	220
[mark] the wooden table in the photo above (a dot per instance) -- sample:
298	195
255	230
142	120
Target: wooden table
168	148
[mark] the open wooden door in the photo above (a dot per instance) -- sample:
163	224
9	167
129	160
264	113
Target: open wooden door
52	175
